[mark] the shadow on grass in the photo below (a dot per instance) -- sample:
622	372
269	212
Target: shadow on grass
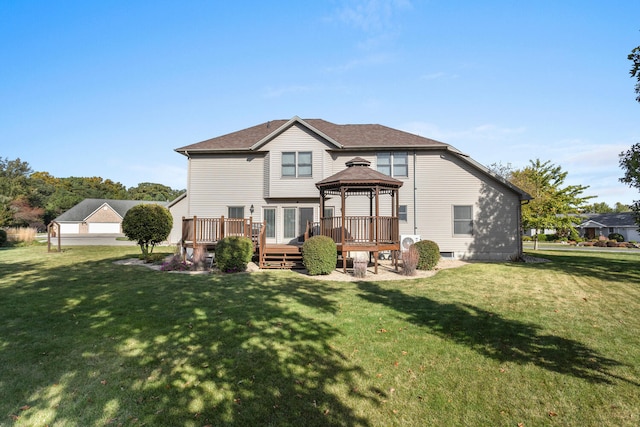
495	337
93	342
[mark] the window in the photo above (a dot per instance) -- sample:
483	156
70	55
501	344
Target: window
402	213
462	220
236	211
328	212
297	164
393	164
289	164
304	164
384	163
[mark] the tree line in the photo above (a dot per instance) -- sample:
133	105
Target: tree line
34	199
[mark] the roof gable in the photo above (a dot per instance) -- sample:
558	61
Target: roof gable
88	207
350	136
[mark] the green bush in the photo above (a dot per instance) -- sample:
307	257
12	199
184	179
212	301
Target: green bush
3	237
233	254
319	255
541	237
573	235
616	236
526	238
429	254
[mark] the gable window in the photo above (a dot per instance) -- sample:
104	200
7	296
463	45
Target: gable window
236	211
393	163
462	220
297	164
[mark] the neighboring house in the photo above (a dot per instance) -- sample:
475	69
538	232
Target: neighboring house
596	225
269	172
97	216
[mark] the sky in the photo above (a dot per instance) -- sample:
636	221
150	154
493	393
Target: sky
112	88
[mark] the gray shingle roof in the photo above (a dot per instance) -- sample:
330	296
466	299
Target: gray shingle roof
82	210
620	219
345	136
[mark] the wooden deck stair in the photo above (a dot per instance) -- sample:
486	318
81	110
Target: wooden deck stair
281	257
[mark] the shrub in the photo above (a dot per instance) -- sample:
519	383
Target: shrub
526	238
319	255
541	237
573	235
429	254
616	236
148	224
410	259
3	237
233	254
175	263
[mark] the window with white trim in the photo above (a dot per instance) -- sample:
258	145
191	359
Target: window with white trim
297	164
394	163
402	213
463	220
236	212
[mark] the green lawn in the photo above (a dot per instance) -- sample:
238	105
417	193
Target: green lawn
84	342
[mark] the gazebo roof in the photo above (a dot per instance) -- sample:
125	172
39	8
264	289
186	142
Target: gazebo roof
358	174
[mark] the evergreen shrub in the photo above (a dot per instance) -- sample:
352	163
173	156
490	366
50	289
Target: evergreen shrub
616	236
233	254
319	255
3	237
429	254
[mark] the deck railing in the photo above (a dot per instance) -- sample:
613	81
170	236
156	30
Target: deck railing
196	231
357	229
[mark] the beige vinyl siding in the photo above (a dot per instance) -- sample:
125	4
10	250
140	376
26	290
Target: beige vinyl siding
444	180
295	139
219	181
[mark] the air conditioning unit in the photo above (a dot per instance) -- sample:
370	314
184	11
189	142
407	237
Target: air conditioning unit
407	240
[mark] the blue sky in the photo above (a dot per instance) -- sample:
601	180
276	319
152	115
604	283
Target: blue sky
111	88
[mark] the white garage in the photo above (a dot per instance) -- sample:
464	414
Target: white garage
97	216
104	227
69	228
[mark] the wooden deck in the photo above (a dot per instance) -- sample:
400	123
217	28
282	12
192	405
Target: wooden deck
360	234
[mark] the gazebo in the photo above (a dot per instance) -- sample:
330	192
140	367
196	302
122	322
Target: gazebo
370	233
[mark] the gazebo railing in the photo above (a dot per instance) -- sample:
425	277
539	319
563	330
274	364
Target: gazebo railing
358	229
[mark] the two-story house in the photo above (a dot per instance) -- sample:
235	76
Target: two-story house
269	172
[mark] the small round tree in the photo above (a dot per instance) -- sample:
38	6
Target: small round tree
148	224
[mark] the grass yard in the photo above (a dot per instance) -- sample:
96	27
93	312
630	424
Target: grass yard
85	342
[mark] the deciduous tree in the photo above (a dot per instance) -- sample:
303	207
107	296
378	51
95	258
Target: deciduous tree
630	164
554	205
148	224
634	57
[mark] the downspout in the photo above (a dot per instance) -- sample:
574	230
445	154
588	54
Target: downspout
415	189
